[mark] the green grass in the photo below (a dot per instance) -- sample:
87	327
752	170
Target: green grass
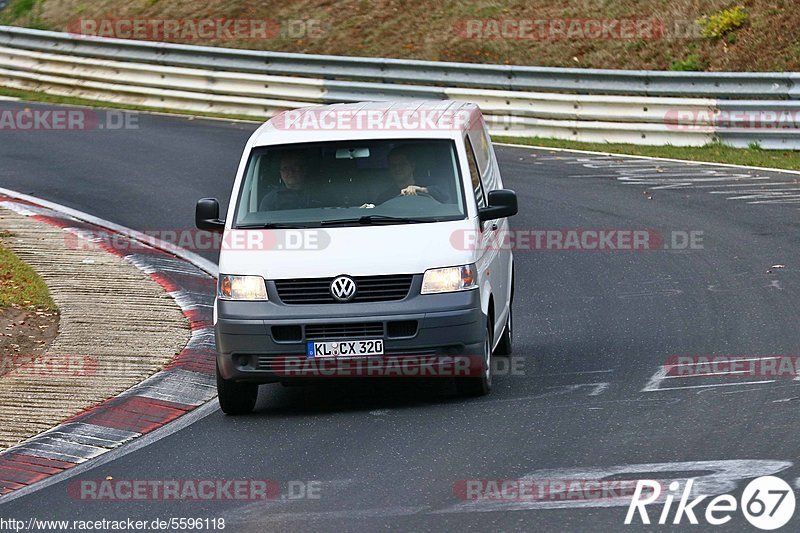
692	63
19	8
19	285
714	153
26	11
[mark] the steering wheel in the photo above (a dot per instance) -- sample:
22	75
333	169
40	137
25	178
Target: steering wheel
418	194
418	200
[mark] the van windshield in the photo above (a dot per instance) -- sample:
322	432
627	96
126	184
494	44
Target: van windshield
351	183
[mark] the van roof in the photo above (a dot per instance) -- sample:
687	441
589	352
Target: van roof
439	119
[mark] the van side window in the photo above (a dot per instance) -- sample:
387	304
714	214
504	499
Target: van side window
481	150
475	174
486	144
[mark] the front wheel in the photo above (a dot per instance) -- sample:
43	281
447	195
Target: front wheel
236	398
481	385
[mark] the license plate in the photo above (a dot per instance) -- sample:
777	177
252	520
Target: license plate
344	348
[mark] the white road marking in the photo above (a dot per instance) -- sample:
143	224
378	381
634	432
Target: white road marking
676	174
654	383
713	385
658	183
560	390
646	294
644	157
743	359
765	196
302	515
712	477
599	389
757	191
789	201
760	184
742	391
573	373
707	374
656	379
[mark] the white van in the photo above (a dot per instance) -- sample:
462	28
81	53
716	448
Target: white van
362	240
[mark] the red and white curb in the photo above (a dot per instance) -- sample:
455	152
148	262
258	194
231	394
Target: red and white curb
185	384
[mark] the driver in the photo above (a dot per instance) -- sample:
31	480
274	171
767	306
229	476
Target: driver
401	169
296	193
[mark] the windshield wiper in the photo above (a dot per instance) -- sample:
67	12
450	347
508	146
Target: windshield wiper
368	220
276	225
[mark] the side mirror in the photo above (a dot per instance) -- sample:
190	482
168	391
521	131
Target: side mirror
502	203
206	215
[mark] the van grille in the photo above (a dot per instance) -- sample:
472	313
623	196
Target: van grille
351	330
369	289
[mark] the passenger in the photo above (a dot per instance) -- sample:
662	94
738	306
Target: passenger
296	194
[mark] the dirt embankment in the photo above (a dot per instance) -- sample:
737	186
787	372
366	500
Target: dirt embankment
24	336
626	34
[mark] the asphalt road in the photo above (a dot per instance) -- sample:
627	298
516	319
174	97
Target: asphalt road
593	330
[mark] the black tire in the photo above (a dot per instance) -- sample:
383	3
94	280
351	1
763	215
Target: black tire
236	398
479	386
504	347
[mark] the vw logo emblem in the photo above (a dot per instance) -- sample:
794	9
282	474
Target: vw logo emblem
343	288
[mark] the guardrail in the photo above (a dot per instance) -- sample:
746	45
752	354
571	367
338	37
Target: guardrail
641	107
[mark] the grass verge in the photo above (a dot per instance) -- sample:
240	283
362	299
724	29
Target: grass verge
20	286
712	153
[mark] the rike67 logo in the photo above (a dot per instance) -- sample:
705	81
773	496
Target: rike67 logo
767	502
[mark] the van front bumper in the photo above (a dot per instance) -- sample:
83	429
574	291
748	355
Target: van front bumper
266	341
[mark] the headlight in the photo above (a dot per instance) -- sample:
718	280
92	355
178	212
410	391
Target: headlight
449	279
241	288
